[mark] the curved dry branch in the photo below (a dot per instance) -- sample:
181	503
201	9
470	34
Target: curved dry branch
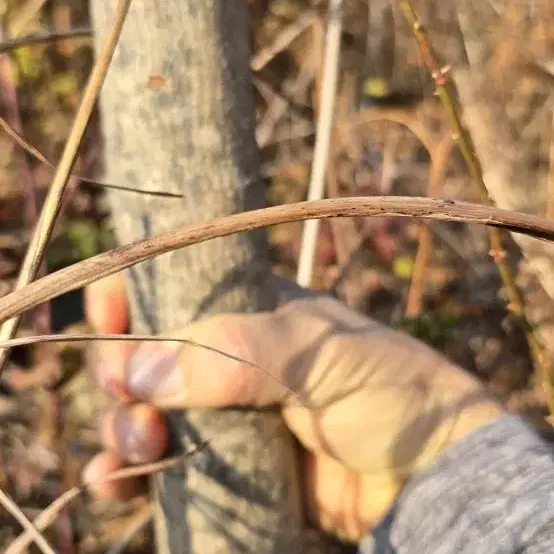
102	265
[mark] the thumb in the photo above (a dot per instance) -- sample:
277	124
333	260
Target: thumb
226	361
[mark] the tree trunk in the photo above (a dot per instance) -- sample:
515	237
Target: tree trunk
178	116
507	103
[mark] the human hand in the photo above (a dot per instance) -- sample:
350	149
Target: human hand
371	406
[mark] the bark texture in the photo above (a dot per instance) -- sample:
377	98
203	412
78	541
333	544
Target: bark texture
178	116
507	101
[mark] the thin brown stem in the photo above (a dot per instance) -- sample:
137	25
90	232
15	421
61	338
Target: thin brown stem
465	144
107	263
39	339
38	155
49	514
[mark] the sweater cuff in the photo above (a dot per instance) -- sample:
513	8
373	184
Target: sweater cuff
490	493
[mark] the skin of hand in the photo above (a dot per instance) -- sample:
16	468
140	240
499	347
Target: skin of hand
369	405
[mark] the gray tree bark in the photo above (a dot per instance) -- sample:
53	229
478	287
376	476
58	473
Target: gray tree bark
507	106
178	116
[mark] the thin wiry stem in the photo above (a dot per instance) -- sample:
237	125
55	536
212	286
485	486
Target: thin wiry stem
79	337
48	515
38	155
516	303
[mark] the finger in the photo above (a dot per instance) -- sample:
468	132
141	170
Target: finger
106	306
241	363
230	359
136	433
346	503
106	311
122	489
106	362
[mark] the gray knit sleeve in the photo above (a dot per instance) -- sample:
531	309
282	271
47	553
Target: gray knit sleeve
492	493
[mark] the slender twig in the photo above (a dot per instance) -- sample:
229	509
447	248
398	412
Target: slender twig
323	135
38	339
143	338
80	337
48	515
465	144
42	37
32	531
51	208
112	261
38	155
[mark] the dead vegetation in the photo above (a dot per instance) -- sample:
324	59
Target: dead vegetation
390	137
